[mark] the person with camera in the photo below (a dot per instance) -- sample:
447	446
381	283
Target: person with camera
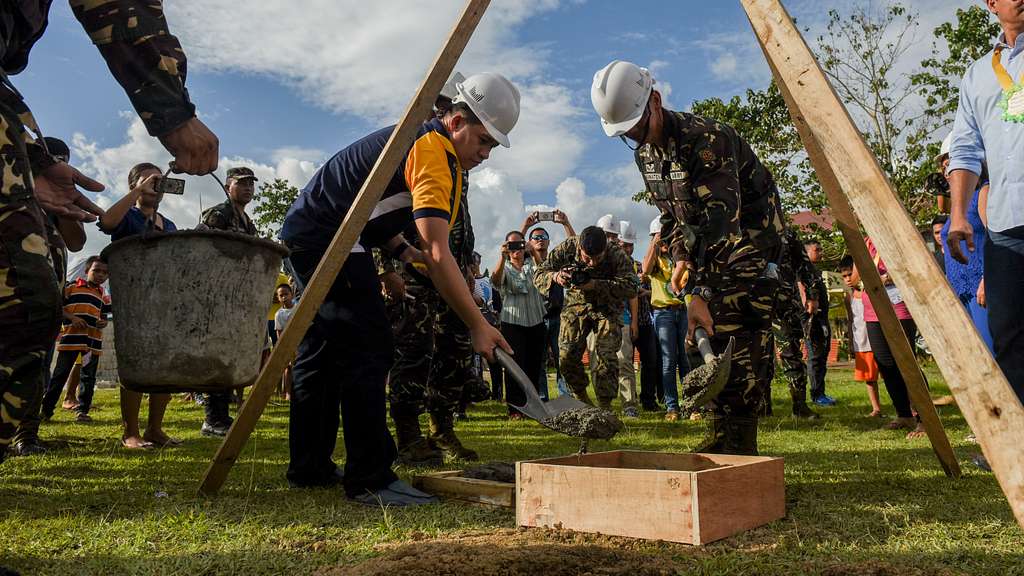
598	279
134	213
721	217
540	241
522	316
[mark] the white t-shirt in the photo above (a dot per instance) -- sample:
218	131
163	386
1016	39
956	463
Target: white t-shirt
860	327
282	317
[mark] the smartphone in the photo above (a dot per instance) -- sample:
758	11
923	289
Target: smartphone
168	185
545	216
517	245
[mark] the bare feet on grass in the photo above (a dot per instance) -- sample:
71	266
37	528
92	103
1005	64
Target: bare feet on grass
135	443
876	414
160	438
917	432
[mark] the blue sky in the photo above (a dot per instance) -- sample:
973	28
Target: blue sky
286	84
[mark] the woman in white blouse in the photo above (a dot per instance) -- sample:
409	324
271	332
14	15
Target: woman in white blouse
522	314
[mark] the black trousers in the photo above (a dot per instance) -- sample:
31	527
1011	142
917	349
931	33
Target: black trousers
343	359
218	409
528	344
650	364
894	383
1004	278
86	384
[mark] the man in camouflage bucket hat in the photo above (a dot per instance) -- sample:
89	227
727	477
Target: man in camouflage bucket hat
149	64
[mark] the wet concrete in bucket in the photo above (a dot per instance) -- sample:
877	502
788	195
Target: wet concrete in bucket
697	381
588	422
495	471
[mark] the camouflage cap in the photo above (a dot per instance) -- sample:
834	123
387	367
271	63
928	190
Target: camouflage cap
241	173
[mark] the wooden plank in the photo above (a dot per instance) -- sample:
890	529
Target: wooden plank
344	239
451	484
985	398
738	497
900	347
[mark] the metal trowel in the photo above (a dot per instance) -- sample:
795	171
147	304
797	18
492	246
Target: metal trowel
704	383
536	408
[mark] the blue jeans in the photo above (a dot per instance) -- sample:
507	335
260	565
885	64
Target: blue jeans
1004	284
670	325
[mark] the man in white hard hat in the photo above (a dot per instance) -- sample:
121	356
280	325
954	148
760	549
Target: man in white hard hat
722	221
348	350
610	225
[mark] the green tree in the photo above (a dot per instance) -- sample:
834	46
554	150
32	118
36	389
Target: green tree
957	45
272	202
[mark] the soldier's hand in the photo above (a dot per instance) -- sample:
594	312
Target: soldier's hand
811	306
698	314
486	338
394	286
56	192
562	278
194	146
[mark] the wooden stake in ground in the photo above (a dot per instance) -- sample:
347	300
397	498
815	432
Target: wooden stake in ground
344	239
839	153
901	348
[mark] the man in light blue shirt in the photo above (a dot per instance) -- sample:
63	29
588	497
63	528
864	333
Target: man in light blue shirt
989	129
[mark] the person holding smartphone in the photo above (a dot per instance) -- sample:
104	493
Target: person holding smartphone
522	315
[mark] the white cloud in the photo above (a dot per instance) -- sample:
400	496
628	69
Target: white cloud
724	66
111	165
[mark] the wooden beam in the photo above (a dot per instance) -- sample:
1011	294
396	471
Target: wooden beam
985	398
901	348
344	239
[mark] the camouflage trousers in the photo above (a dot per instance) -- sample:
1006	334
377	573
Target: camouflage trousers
742	308
30	295
577	324
790	318
433	355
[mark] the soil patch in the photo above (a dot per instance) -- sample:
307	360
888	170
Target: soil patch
507	552
495	471
588	422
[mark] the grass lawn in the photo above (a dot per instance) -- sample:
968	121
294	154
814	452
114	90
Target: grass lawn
859	501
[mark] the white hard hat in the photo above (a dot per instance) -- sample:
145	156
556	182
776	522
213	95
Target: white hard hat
628	234
494	100
944	149
656	225
449	90
608	223
619	94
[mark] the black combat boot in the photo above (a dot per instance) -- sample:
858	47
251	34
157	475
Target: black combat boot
741	436
802	410
413	448
442	435
714	437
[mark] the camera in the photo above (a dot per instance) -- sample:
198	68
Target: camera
167	185
578	275
936	184
517	245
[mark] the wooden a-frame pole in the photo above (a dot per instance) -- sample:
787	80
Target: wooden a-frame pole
899	345
344	239
842	159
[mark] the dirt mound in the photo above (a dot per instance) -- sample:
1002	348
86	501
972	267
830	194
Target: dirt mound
513	552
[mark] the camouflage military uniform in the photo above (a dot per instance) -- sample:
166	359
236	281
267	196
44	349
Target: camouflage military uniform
595	310
149	64
433	349
720	215
790	317
224	216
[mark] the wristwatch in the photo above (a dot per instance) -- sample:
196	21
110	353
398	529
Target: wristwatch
704	292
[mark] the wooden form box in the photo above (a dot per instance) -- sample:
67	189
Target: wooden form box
452	485
688	498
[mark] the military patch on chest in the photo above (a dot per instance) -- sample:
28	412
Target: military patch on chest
678	175
650	166
652	177
707	156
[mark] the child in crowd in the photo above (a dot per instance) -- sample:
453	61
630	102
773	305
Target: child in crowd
284	296
865	368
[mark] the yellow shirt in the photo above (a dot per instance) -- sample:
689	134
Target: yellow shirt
661	276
